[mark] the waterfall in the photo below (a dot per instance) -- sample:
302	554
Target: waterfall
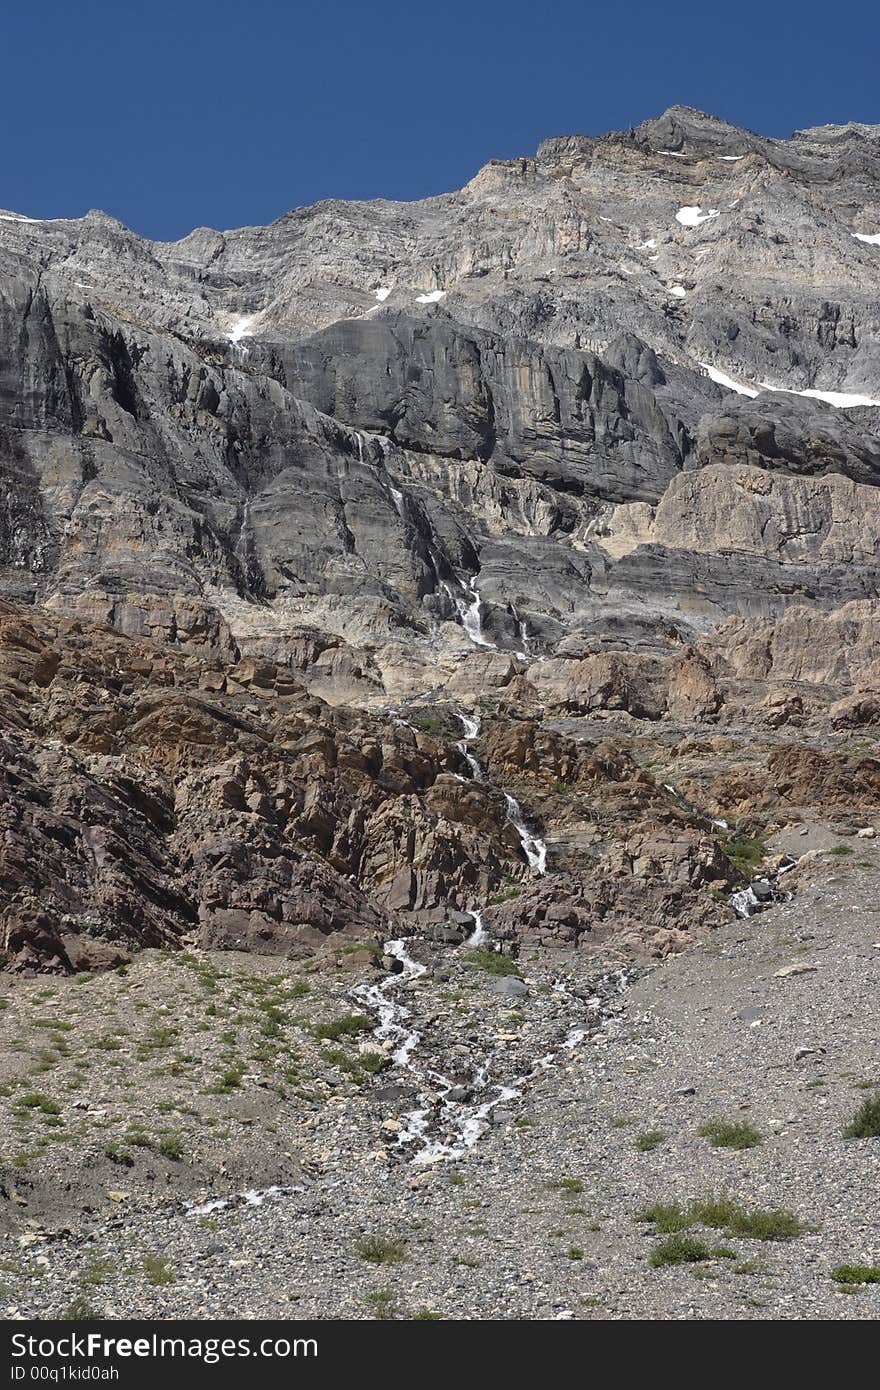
522	633
470	723
534	848
471	614
479	934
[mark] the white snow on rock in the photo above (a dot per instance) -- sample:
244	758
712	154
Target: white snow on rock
674	154
693	217
722	379
872	240
678	290
844	400
650	245
731	158
430	298
241	328
382	293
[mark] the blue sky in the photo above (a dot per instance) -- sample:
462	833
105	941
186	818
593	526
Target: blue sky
175	115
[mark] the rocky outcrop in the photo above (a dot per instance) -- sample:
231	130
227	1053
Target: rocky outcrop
594	438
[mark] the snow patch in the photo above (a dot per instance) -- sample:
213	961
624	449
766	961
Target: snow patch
678	290
872	239
431	297
693	217
844	400
673	154
722	379
382	293
730	158
241	328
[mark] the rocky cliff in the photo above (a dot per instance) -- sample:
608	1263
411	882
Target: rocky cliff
592	444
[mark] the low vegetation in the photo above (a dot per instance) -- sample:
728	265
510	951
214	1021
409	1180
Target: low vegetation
348	1026
852	1275
865	1123
730	1134
493	962
573	1185
651	1139
378	1250
680	1250
723	1214
747	855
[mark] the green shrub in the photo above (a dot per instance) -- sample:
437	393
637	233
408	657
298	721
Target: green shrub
680	1250
565	1185
865	1123
667	1218
493	962
724	1214
348	1026
379	1251
856	1274
35	1101
730	1134
651	1139
747	855
80	1310
156	1270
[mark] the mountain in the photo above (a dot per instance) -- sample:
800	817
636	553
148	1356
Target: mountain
439	792
590	447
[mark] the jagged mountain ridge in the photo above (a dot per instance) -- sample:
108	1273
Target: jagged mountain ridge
558	369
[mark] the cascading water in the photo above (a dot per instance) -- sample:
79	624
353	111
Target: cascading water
449	1118
534	848
523	634
479	934
392	1015
471	613
470	723
452	1114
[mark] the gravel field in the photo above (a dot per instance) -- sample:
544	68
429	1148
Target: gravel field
771	1025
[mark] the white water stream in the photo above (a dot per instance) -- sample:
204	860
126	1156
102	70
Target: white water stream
470	608
534	848
451	1114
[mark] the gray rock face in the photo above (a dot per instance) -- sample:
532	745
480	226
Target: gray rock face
372	437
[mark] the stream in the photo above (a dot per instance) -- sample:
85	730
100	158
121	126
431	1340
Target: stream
453	1111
